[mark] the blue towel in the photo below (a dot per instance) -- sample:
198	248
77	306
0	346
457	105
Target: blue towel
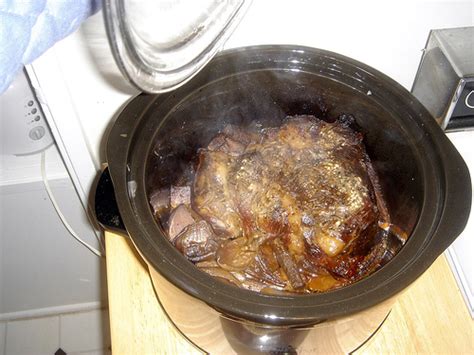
29	27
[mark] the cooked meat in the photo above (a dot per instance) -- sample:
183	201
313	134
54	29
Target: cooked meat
181	217
212	198
197	241
180	195
225	144
239	134
292	208
160	201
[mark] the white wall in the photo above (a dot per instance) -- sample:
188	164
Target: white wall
387	35
42	268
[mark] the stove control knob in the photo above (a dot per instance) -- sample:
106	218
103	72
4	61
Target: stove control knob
37	133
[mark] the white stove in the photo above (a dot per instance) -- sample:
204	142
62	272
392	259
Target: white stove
459	253
445	85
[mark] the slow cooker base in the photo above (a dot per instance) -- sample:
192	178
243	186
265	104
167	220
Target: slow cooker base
218	333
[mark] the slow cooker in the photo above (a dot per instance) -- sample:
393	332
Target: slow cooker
425	181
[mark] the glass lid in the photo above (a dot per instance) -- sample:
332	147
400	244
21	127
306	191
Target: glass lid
160	44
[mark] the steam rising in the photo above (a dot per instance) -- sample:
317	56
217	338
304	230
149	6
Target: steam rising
259	98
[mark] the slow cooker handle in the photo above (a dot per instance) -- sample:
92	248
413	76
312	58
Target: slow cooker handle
457	203
106	208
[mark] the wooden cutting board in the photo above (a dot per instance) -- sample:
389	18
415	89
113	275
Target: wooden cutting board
429	318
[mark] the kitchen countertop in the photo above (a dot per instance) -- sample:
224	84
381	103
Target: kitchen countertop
430	317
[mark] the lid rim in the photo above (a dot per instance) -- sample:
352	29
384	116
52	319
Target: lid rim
139	71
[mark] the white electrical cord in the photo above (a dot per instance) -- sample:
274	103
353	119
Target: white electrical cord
58	211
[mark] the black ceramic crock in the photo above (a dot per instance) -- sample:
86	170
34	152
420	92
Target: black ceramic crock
425	181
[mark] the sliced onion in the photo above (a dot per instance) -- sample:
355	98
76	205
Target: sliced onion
221	274
235	255
322	283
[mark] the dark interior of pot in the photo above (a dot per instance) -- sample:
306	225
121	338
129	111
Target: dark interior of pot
267	97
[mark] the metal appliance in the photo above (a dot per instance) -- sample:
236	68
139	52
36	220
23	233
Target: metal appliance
444	83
